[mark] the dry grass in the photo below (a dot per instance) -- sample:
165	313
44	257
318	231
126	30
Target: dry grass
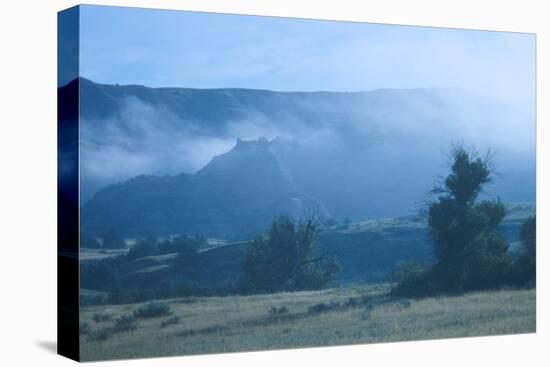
238	323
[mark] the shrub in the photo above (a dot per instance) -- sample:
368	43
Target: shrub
171	321
153	309
274	311
420	284
357	301
124	323
322	307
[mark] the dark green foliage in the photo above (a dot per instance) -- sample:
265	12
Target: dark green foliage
283	260
405	271
526	264
488	263
469	251
124	323
420	284
323	307
151	310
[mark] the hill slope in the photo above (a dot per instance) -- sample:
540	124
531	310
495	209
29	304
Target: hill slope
236	195
363	154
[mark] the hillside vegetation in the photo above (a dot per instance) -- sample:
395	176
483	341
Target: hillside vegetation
366	251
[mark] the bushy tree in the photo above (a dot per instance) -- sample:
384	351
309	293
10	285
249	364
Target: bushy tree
283	259
469	251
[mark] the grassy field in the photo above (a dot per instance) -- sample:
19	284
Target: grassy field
303	319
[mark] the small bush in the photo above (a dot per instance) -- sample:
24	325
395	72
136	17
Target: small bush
357	301
102	317
151	310
318	308
124	323
415	279
171	321
420	284
322	307
274	311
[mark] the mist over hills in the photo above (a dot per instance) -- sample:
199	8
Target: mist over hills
361	154
234	196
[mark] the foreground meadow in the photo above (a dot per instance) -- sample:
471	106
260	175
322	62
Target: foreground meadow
293	320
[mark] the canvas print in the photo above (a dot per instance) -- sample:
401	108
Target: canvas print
234	183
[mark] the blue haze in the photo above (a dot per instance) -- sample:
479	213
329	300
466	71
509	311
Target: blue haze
161	48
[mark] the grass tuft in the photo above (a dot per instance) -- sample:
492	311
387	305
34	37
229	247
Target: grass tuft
151	310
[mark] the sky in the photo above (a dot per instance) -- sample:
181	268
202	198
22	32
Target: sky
163	48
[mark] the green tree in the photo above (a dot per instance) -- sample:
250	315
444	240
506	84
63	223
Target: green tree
283	259
469	251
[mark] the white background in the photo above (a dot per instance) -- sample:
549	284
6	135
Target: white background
28	183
